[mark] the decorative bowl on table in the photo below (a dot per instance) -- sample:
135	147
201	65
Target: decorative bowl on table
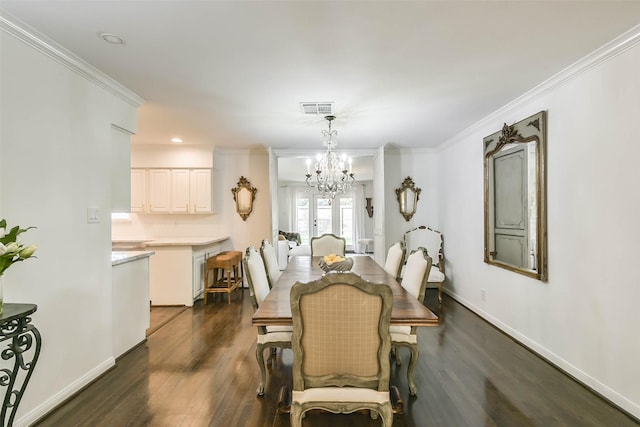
334	262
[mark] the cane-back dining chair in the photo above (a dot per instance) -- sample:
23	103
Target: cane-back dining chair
268	336
395	259
341	345
414	282
270	262
328	244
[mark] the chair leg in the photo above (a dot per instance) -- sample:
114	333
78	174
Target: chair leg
440	292
272	355
396	353
295	415
229	286
263	371
240	280
386	411
413	390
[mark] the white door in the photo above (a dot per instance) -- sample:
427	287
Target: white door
322	216
334	216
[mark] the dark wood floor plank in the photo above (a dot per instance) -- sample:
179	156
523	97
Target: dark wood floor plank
199	370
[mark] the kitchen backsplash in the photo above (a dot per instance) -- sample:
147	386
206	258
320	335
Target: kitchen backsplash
154	226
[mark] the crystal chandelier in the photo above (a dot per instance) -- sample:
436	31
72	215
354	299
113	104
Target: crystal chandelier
332	175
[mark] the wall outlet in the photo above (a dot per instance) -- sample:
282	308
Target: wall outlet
483	294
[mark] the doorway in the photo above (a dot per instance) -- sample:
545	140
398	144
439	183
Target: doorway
317	215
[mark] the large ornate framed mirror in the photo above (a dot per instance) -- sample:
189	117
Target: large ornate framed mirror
515	226
408	195
244	194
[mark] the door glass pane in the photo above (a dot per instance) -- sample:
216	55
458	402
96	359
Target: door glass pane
323	216
346	219
302	218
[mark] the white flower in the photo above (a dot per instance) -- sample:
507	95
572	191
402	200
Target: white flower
28	251
13	247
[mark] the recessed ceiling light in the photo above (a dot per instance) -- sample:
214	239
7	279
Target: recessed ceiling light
112	38
176	140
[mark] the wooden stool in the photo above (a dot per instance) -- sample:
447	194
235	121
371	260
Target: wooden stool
229	264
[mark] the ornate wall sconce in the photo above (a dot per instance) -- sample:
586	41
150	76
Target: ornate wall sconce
369	207
244	194
408	195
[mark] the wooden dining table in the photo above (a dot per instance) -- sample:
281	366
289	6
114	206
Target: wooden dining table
275	310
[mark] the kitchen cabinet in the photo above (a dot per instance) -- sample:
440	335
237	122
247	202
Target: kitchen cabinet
176	191
201	191
159	190
180	190
177	268
199	260
129	299
138	190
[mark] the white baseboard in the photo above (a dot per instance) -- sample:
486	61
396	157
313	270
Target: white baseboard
586	379
40	411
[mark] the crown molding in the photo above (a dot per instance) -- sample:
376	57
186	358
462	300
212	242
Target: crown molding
232	150
56	52
615	47
416	150
311	152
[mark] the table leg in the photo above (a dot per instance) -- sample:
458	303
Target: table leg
20	337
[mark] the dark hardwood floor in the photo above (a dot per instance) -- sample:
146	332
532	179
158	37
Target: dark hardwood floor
199	369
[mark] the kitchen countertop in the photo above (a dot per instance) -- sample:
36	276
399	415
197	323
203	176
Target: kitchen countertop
121	257
185	241
170	241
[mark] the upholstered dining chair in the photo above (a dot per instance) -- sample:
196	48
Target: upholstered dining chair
433	241
348	369
328	244
414	282
270	262
268	336
395	259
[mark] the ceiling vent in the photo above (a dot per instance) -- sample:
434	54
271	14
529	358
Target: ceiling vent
317	108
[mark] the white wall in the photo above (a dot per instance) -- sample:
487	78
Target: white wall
585	319
55	156
422	166
286	199
253	165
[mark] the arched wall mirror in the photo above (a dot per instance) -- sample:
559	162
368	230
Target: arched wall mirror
515	197
408	195
244	194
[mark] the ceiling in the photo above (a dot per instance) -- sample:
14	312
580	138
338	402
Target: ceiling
411	74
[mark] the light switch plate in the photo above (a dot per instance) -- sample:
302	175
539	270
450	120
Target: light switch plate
93	215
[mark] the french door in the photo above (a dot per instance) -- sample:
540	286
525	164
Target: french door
317	215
